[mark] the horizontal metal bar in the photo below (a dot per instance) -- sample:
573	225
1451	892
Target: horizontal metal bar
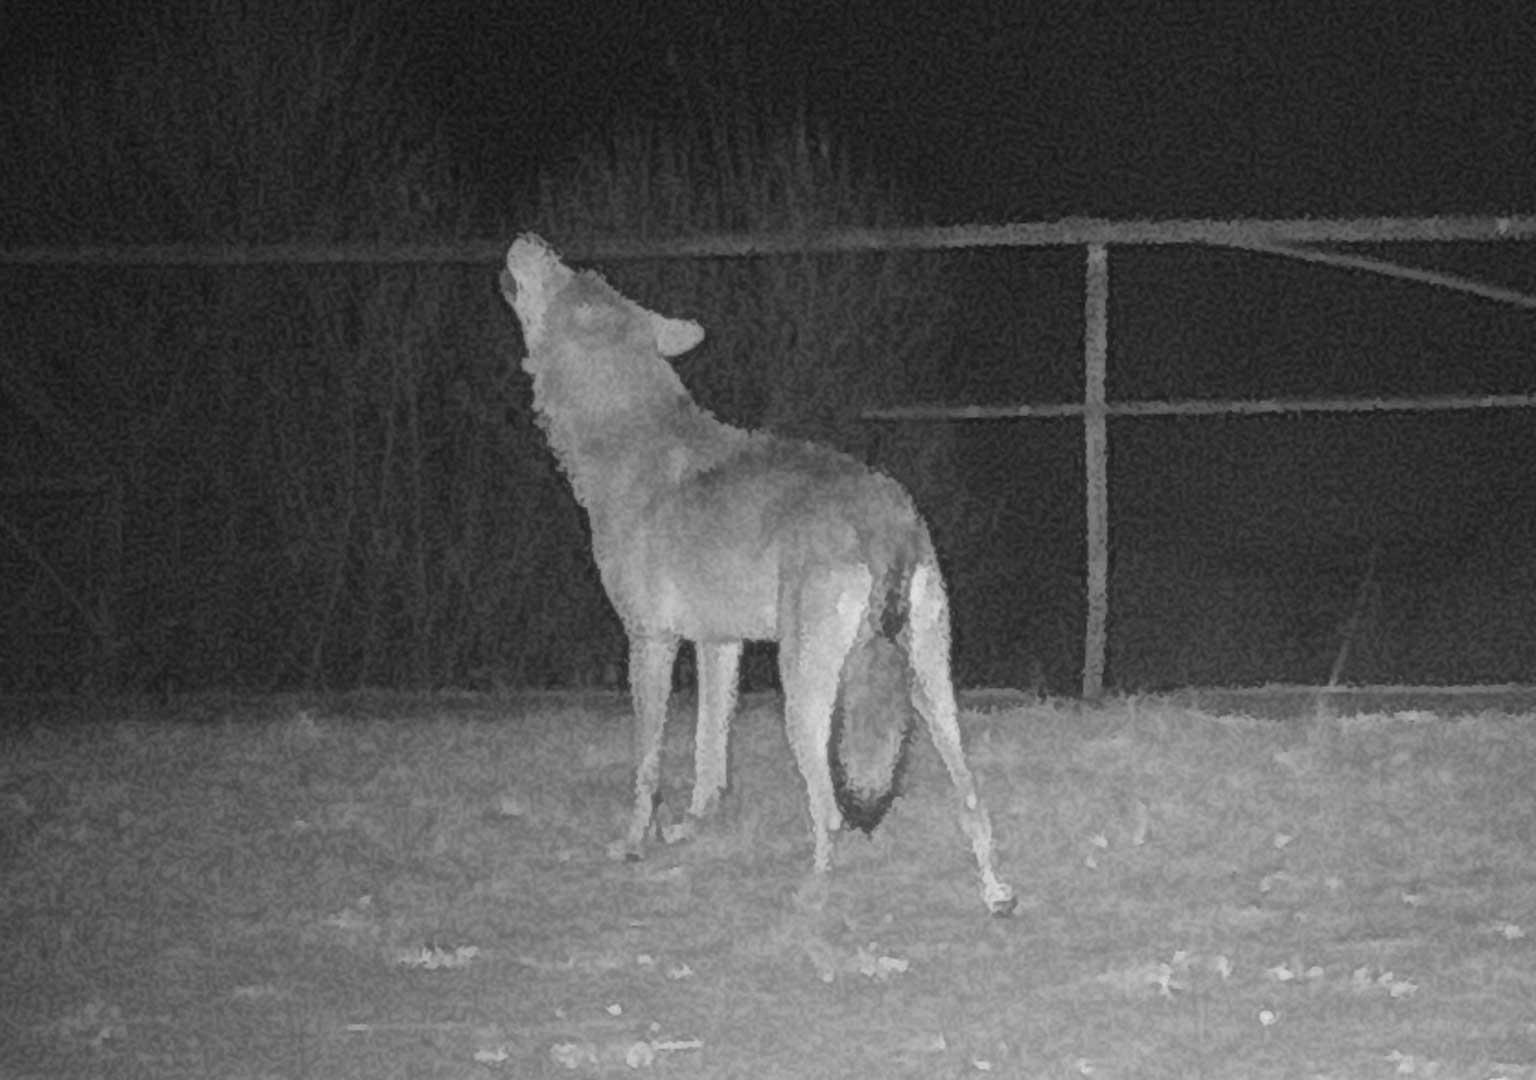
1066	232
1207	408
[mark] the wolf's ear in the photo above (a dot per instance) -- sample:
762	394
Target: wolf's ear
674	336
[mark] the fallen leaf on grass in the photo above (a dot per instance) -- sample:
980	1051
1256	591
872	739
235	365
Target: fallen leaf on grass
631	1053
436	958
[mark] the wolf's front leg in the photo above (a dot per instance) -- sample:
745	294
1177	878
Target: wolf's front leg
650	684
719	664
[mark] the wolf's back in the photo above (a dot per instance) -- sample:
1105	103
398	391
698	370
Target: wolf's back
873	717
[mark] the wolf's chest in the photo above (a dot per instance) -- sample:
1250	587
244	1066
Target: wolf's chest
698	587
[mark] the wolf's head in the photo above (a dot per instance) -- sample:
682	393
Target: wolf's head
562	311
602	385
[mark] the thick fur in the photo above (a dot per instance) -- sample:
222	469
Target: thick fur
873	716
719	535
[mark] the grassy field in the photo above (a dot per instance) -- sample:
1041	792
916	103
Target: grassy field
389	886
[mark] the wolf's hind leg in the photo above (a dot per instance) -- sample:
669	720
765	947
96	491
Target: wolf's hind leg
933	693
819	618
719	664
650	684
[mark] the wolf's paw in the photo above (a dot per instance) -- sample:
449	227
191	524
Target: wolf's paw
1000	900
811	896
705	807
624	851
680	832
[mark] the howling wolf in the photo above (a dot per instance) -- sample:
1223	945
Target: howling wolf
719	535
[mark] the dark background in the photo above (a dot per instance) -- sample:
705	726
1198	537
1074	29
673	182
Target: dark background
1241	546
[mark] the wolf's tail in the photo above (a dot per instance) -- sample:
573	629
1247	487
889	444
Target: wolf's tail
872	719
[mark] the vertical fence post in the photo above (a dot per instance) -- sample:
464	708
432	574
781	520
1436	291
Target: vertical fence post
1096	467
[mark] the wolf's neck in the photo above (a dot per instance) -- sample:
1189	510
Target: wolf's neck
618	459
